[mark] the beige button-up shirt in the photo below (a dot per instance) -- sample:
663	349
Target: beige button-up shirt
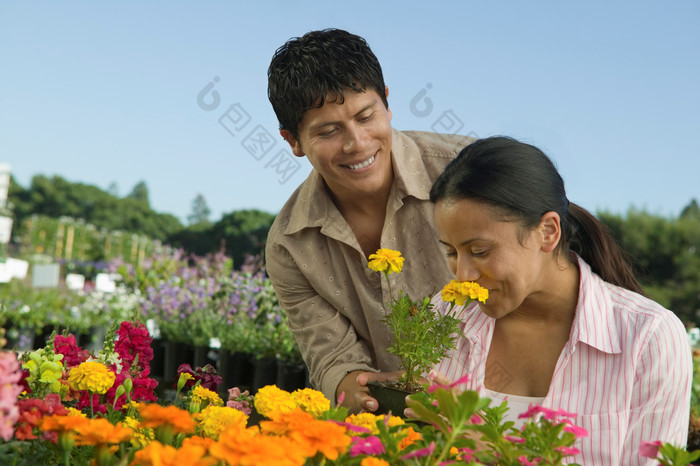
334	302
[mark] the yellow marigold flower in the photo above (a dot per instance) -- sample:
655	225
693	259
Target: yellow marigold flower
271	401
386	260
154	415
75	412
205	397
141	436
245	448
216	419
366	420
312	401
100	431
458	292
373	461
92	376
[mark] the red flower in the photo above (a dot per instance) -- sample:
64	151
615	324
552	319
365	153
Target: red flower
207	375
73	355
134	341
31	410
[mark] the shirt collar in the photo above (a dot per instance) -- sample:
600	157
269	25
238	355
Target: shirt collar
594	322
315	208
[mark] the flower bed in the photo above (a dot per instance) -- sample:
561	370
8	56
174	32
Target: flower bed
68	406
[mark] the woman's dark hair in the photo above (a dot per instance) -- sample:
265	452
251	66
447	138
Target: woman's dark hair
523	183
307	69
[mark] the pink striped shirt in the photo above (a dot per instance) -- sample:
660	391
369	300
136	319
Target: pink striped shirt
626	371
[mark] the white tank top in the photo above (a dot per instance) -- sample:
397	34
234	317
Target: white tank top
517	405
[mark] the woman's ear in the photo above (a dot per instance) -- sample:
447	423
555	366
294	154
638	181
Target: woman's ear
550	231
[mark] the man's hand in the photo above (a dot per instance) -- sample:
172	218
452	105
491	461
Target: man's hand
356	394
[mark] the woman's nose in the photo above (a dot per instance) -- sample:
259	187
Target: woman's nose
466	272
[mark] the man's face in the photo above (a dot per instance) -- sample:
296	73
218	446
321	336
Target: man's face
349	143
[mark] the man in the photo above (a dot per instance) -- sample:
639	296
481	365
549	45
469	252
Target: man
368	189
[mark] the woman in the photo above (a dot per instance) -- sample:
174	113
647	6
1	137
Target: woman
565	325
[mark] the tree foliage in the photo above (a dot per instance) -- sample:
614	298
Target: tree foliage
667	252
57	197
200	211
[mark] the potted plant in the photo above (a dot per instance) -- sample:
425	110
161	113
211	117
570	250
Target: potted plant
421	336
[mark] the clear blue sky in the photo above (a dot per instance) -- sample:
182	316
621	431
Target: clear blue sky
106	92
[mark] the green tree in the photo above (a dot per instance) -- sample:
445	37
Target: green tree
140	192
243	232
200	211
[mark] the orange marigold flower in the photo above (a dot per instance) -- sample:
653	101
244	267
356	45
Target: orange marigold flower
101	432
411	437
311	435
245	448
372	461
154	415
155	453
61	424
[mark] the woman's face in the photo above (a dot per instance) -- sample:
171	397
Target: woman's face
483	247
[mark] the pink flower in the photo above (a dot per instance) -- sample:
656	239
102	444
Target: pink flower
476	419
370	445
522	459
10	375
566	451
549	414
650	449
351	427
576	430
514	439
435	386
420	453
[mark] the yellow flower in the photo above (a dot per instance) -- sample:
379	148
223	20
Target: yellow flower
141	436
271	401
386	260
75	412
372	461
366	420
204	397
92	376
459	292
216	419
312	401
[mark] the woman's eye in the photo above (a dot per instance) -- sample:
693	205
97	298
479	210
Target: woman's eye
451	254
479	252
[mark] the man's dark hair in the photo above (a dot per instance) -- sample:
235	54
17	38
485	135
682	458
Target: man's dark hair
307	69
